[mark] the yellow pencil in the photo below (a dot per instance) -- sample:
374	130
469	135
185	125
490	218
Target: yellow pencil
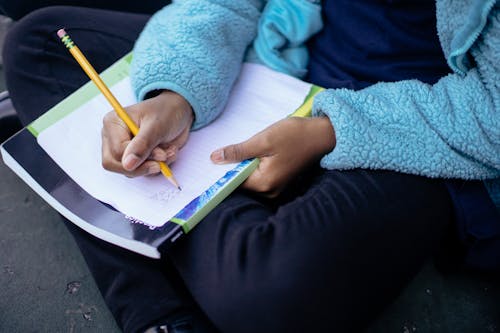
92	74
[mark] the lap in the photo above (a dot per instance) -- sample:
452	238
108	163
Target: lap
334	254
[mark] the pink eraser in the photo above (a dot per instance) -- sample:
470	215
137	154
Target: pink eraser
61	33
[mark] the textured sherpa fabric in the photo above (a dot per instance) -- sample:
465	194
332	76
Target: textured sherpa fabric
195	48
449	129
283	29
459	24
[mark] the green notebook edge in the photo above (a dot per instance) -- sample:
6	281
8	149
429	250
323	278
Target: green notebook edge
112	75
227	189
119	71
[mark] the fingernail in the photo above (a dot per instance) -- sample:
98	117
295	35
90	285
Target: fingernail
153	169
218	156
130	162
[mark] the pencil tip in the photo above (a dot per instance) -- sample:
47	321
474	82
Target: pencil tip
61	33
179	188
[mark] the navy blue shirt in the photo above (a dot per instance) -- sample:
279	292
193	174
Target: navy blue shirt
367	41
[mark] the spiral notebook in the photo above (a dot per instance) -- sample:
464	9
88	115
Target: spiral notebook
59	156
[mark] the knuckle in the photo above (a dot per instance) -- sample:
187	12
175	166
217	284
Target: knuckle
110	122
234	152
170	158
158	154
132	174
228	153
108	118
107	164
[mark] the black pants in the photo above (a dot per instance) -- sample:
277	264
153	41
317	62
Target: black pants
325	257
16	9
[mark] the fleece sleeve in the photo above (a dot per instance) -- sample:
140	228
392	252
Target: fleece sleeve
195	48
450	129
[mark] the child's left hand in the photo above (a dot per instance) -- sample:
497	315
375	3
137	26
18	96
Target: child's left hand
284	148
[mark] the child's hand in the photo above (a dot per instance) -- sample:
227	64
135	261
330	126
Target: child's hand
164	122
285	148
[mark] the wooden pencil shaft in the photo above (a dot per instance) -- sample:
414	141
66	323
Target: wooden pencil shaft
92	74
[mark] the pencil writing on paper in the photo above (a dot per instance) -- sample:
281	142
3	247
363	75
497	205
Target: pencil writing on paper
249	110
92	74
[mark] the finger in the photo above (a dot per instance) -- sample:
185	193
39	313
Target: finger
115	134
266	180
147	168
159	154
167	155
110	161
253	147
172	154
141	146
255	184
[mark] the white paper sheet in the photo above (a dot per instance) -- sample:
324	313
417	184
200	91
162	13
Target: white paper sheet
259	98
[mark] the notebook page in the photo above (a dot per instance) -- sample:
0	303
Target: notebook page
259	98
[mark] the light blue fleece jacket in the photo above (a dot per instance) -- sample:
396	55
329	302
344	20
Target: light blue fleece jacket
450	129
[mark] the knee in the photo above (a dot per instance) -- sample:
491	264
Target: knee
269	296
19	8
27	37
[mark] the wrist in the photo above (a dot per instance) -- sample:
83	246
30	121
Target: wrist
171	98
322	134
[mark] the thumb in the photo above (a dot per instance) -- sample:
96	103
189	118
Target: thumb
235	153
139	148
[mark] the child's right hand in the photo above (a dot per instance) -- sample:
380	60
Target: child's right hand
164	122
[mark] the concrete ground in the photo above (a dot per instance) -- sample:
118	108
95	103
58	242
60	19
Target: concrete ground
45	285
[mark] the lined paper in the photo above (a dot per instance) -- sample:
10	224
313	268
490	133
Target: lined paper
259	98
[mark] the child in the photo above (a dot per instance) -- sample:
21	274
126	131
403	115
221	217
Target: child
299	248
